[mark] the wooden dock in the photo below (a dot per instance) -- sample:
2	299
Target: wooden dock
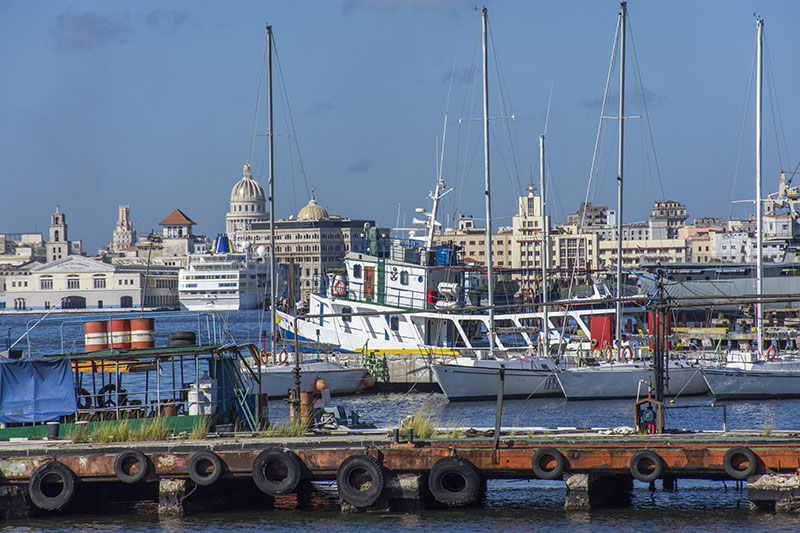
383	470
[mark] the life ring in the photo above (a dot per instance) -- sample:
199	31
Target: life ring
735	460
548	463
47	501
131	466
593	343
360	480
205	468
454	481
262	355
608	353
84	399
339	288
646	465
282	357
276	472
771	352
626	354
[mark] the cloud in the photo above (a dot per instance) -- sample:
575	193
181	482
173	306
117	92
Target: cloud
319	107
632	98
167	20
84	31
360	167
392	5
460	75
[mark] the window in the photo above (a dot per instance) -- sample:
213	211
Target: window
357	271
394	323
347	311
99	281
73	282
404	277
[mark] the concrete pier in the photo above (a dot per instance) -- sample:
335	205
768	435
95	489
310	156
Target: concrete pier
774	492
594	491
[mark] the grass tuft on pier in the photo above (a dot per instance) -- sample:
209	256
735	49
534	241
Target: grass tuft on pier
421	423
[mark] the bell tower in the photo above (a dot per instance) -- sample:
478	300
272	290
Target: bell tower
57	245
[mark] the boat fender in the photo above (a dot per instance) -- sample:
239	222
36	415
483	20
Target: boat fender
626	354
594	344
282	357
646	466
360	480
131	466
276	472
771	351
454	481
548	463
47	501
339	288
205	468
84	399
608	353
740	462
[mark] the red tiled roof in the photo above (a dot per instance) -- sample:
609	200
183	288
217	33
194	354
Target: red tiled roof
177	218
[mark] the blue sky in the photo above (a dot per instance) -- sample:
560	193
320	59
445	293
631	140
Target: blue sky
152	103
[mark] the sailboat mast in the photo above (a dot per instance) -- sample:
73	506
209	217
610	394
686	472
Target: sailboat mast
623	15
545	321
271	194
489	280
759	228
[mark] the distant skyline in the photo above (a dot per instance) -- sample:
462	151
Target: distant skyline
151	104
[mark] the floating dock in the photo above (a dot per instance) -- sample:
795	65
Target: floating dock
384	470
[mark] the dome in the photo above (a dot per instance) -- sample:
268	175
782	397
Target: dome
312	211
247	188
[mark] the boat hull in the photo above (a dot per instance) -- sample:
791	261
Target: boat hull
277	380
481	382
738	384
627	380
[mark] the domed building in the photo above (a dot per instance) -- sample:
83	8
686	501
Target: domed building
312	211
248	205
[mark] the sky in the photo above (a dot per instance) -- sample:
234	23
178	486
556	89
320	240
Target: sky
152	104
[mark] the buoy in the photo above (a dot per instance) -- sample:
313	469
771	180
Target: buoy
320	385
368	380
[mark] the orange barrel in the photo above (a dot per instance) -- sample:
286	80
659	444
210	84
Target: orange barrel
95	335
120	334
142	333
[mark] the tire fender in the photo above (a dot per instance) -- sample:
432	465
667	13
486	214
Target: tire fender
205	468
735	457
454	481
360	480
548	463
646	465
45	475
276	472
131	466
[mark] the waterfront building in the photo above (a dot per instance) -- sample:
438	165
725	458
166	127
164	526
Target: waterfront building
247	206
637	251
58	245
666	219
124	236
591	217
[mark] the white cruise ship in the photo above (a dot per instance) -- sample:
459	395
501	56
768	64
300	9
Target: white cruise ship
223	282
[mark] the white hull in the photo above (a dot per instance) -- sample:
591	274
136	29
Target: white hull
761	380
624	380
470	379
276	380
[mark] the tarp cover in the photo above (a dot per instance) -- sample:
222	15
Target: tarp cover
36	390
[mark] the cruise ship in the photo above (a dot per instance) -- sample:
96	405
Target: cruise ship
223	282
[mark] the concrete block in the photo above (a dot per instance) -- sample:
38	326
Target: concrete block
774	492
14	502
170	497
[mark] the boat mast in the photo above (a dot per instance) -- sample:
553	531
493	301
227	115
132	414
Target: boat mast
273	347
759	228
487	192
545	321
623	15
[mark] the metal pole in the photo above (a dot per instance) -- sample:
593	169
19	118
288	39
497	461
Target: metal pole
487	192
759	228
658	355
623	15
296	394
498	416
545	246
271	195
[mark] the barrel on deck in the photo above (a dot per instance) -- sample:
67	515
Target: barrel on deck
120	334
142	333
95	336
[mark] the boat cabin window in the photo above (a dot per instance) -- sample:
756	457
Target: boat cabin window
394	323
347	311
404	278
357	271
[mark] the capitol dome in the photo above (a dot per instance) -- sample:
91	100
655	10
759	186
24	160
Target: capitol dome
312	211
247	188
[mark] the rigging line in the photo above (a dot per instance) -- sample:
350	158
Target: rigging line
547	116
446	110
638	75
503	101
258	99
746	105
465	129
291	118
778	115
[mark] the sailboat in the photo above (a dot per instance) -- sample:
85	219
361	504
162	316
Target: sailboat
762	374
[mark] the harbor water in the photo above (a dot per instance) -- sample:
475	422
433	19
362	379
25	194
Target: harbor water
509	505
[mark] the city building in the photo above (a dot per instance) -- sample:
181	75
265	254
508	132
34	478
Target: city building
124	236
247	206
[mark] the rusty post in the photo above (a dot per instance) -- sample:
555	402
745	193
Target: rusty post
307	408
498	416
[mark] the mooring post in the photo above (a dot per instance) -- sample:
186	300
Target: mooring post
170	497
498	416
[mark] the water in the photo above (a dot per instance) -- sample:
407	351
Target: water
509	505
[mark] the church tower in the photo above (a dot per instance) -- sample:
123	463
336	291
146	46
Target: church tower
57	245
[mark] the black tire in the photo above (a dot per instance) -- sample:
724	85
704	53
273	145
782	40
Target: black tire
735	458
107	396
276	472
360	480
548	463
131	466
646	465
52	486
182	338
205	468
84	399
454	481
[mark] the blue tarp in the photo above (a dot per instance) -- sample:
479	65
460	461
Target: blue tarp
36	390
